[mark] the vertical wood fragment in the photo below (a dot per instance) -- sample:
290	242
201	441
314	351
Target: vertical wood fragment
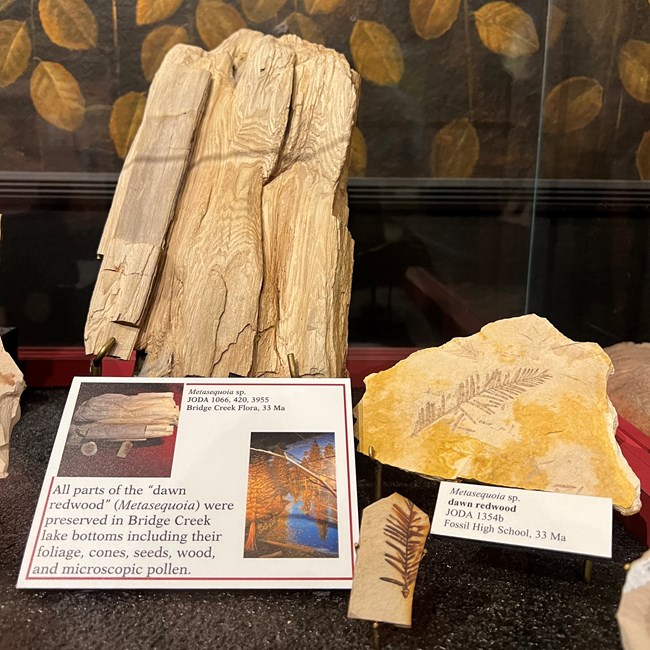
143	206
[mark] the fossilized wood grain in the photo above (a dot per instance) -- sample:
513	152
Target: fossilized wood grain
517	404
307	247
143	206
11	387
115	408
213	269
391	544
256	259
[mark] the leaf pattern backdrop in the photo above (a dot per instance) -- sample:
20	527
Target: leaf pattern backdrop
450	88
595	38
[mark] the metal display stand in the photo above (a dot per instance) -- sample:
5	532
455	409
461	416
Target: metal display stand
587	566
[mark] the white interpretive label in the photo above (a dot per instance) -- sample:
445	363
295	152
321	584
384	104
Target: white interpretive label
192	483
549	520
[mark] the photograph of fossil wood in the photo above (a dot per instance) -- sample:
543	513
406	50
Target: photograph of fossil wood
291	500
391	544
239	166
122	430
518	404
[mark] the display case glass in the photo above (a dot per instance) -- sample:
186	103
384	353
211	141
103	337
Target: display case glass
500	165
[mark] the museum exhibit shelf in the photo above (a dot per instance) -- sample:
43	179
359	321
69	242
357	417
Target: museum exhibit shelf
468	594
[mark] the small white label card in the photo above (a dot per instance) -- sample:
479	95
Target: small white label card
548	520
193	483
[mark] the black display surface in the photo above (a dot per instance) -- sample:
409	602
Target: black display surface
468	594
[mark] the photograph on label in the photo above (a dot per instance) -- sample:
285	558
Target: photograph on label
291	501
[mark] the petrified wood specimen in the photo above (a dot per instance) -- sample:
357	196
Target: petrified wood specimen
227	246
11	387
517	404
391	543
629	388
116	418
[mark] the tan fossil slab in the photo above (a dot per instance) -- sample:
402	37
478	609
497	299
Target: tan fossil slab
517	404
633	614
391	544
629	387
11	387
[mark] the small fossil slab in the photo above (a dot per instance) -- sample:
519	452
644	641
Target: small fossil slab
119	418
391	544
518	404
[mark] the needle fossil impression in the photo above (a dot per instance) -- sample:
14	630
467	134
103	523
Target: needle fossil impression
391	546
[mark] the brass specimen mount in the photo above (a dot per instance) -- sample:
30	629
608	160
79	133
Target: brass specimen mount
96	363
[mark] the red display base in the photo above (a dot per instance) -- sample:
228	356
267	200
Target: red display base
635	446
52	367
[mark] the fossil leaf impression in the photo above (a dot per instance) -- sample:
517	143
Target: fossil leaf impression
216	21
153	11
506	29
455	150
69	23
572	104
634	69
433	18
156	45
405	532
376	53
126	117
643	157
509	406
57	96
391	545
15	50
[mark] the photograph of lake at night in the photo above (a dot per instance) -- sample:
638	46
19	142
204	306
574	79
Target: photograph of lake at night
291	500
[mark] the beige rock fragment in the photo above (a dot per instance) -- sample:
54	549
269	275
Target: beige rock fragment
633	614
391	543
11	387
517	404
629	388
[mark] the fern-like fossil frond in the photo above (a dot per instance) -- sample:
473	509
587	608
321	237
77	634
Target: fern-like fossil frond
403	534
484	392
